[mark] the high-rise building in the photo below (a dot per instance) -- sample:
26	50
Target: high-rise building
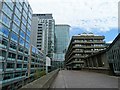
15	29
62	41
42	34
81	46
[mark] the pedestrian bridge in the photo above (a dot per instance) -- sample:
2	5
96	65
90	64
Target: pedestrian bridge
79	79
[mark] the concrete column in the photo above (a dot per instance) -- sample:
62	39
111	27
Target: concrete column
91	62
96	62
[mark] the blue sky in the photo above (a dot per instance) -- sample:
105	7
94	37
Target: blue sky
109	35
97	16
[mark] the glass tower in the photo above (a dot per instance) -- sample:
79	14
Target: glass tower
15	29
62	41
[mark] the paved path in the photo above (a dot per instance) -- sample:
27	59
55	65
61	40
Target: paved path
84	79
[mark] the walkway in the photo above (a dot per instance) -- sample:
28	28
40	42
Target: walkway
84	79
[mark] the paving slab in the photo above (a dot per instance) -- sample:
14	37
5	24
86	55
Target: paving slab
84	79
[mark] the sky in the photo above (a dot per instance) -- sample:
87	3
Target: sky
97	16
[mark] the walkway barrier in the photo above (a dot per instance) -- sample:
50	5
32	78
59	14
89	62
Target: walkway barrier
43	82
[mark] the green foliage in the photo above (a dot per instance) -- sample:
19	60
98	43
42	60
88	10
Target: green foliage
39	73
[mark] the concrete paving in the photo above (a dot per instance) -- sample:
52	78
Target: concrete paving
84	79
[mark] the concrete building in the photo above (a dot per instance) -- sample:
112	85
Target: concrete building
42	33
97	61
62	41
81	46
113	54
15	29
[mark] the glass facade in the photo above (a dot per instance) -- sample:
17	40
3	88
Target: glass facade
15	30
62	41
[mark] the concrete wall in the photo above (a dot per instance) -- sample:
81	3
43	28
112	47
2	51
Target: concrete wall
43	82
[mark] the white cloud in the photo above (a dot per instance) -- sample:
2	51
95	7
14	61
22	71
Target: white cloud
87	14
110	41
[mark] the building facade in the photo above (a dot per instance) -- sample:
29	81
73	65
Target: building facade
42	34
113	54
15	30
62	41
82	46
97	61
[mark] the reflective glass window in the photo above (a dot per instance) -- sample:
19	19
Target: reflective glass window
5	31
30	13
28	32
23	27
18	5
29	27
29	21
22	34
27	38
14	37
24	14
17	21
17	12
10	3
24	21
15	28
27	45
21	41
7	10
6	20
25	8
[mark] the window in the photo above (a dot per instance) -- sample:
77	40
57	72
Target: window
17	21
28	32
11	55
15	28
21	41
10	3
5	31
27	45
20	57
27	38
29	21
17	74
10	65
22	34
17	12
4	42
23	28
19	65
24	21
21	49
14	37
13	45
26	58
7	10
25	8
6	20
18	5
25	66
7	76
24	14
3	53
